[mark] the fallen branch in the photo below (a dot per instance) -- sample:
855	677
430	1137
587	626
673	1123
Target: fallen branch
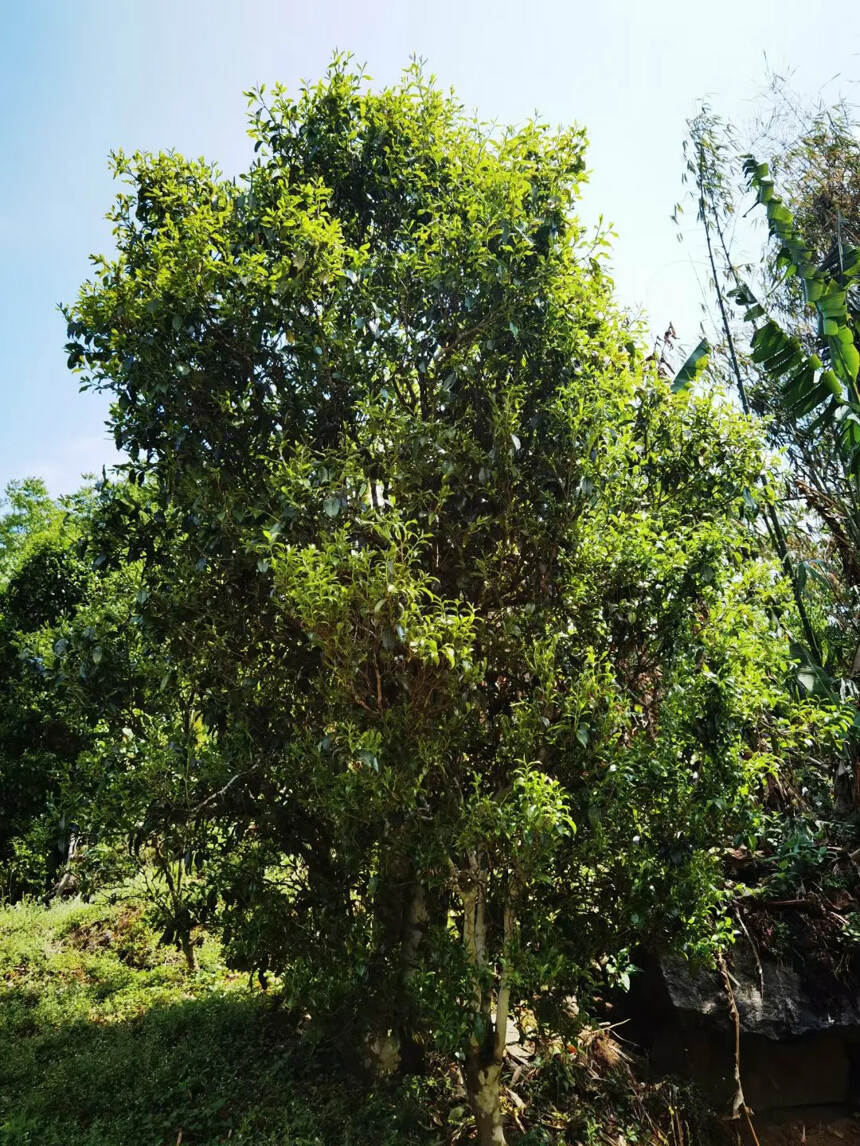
796	904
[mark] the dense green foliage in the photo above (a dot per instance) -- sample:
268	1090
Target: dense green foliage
426	647
42	580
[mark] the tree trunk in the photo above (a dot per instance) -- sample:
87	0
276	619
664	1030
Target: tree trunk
414	928
188	952
417	918
389	1039
484	1060
482	1088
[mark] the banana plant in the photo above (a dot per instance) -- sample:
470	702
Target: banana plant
824	380
818	384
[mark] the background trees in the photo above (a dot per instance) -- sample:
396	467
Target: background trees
795	357
43	581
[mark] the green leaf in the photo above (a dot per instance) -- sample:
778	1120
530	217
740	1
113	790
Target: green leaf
692	368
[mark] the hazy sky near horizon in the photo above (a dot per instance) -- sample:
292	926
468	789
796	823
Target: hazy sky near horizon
80	77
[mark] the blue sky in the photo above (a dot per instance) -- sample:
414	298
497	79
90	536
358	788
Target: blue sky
79	77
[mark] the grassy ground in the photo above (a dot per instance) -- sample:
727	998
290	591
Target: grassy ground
106	1040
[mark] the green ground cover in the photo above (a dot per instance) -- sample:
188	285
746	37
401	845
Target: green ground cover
107	1040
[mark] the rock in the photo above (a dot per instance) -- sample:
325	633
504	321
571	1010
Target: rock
800	1038
512	1033
785	1008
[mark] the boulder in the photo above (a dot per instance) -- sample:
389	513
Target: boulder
800	1037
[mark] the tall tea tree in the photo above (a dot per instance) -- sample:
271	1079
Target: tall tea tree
466	600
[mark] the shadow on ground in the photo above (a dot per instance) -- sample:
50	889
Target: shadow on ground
223	1068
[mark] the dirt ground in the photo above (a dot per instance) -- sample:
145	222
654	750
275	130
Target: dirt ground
821	1126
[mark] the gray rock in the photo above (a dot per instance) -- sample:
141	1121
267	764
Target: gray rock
784	1009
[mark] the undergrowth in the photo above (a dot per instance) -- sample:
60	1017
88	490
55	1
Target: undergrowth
106	1039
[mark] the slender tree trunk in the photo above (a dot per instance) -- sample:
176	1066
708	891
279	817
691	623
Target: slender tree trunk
484	1059
417	918
771	517
390	1041
414	928
188	952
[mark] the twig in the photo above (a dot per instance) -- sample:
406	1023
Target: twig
752	1128
753	948
796	904
739	1103
221	791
